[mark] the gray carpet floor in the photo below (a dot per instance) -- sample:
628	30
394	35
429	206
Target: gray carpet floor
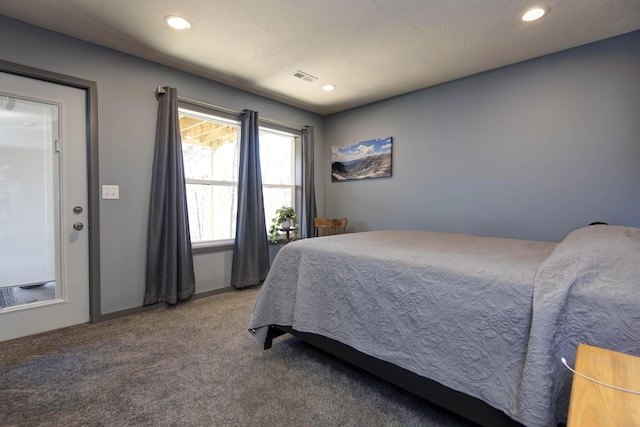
193	365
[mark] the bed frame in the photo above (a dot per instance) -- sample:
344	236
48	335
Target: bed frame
464	405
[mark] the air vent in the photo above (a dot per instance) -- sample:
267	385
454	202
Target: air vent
304	76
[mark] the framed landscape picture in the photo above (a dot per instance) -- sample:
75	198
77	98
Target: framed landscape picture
366	159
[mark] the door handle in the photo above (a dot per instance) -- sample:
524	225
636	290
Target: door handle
78	225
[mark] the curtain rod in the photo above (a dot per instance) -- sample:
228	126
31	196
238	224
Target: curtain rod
161	91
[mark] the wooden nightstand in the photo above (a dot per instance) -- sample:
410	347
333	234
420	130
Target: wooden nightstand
596	405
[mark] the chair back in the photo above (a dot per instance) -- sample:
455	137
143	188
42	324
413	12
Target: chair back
329	226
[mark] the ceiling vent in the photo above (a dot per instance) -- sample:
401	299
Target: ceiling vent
304	76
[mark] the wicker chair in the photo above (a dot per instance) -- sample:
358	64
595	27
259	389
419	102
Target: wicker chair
329	226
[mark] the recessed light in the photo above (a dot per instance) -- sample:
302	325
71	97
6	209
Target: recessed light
328	87
534	14
177	22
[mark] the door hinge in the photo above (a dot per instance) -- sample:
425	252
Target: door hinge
57	145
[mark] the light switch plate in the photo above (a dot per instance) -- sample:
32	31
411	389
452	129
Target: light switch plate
110	191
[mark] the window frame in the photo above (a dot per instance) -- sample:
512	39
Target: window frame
264	125
295	165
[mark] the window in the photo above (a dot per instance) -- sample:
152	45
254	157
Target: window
277	163
210	144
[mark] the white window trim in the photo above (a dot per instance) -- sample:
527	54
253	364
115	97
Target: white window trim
266	125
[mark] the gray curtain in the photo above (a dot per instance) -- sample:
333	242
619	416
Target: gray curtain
170	276
308	190
251	249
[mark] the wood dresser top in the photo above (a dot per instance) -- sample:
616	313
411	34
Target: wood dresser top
596	405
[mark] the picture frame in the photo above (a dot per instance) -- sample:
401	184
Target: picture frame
362	160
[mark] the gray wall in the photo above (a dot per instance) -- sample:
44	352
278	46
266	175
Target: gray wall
528	151
531	150
127	112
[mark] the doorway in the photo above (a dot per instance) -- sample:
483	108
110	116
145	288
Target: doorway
45	219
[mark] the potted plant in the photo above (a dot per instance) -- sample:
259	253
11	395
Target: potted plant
283	220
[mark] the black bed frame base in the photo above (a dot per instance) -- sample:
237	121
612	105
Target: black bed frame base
452	400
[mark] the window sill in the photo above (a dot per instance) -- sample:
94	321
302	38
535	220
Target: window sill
208	247
222	245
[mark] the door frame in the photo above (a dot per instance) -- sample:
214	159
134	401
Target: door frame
93	184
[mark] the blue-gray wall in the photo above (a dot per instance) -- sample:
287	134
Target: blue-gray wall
127	111
531	150
528	151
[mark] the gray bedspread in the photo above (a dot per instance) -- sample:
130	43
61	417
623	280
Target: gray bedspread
587	291
454	308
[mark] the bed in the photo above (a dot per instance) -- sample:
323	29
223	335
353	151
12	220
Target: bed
475	324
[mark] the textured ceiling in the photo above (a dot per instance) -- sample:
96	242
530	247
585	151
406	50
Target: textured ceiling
370	49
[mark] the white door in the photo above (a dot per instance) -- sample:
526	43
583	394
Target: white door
44	234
